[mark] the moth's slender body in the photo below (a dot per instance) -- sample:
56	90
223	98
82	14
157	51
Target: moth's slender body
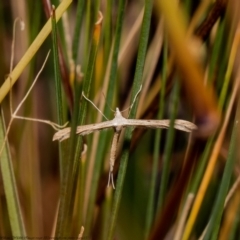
113	154
118	123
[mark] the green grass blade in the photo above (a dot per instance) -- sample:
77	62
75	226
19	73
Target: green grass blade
213	64
10	187
227	75
136	86
108	31
96	7
81	190
76	37
216	53
86	86
79	117
57	77
86	89
168	148
151	205
103	135
88	79
68	181
217	212
107	204
88	30
201	166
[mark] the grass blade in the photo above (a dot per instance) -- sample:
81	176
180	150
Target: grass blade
57	77
70	175
76	37
209	170
104	134
9	182
150	208
168	148
217	212
136	86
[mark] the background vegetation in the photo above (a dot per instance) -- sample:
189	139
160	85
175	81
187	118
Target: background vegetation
169	184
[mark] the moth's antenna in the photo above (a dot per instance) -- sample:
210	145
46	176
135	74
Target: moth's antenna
94	105
130	107
107	102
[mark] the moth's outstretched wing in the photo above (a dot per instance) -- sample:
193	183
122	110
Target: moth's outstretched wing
82	130
182	125
123	122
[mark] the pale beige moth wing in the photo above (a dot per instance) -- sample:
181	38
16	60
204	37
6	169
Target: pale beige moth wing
82	130
179	124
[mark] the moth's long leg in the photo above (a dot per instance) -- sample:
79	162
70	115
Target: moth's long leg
113	157
14	115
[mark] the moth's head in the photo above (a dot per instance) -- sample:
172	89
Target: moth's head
117	113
